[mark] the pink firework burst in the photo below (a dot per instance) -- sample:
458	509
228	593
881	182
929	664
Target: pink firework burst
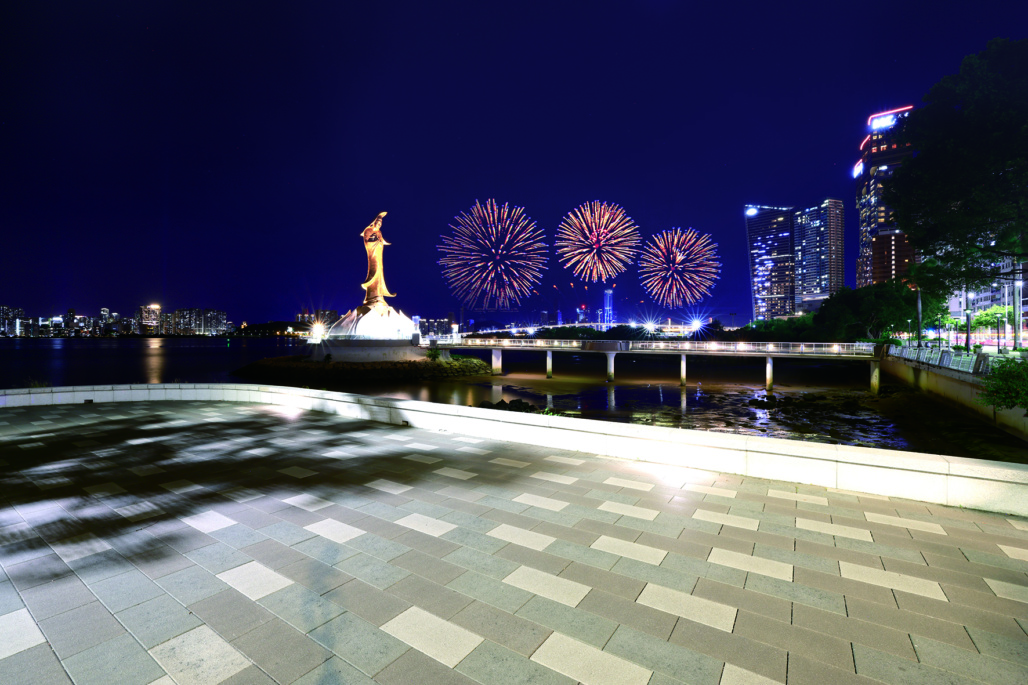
597	241
679	267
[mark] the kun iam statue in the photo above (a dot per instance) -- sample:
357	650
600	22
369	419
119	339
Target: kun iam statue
374	320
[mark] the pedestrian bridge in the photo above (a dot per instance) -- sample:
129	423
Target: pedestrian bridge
610	348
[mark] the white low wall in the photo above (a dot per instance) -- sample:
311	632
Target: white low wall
956	481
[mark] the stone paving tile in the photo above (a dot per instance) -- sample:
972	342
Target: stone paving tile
425	554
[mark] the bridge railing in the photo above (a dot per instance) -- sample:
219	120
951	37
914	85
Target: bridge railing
840	349
715	347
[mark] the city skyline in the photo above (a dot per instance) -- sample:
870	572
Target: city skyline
169	154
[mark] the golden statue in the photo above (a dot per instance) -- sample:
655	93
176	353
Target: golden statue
374	320
374	285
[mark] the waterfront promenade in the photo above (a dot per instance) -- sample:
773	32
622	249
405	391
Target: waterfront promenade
206	542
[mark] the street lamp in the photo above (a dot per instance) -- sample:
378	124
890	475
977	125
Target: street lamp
908	330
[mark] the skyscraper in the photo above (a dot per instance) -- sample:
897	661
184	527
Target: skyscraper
608	308
769	239
148	319
818	240
884	252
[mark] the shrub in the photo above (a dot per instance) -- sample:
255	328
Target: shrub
433	353
1006	386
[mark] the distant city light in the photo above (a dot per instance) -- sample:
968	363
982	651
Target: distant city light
883	122
752	211
858	169
530	331
871	118
697	324
317	332
649	326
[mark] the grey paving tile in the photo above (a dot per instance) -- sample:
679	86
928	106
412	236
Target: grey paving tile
469	538
191	584
125	590
315	575
854	630
335	671
157	620
10	600
999	646
360	643
655	574
429	544
513	632
629	613
431	597
579	624
38	571
969	664
415	667
230	613
909	622
97	567
523	556
373	571
239	536
286	533
895	670
804	670
751	655
35	666
251	675
585	555
614	583
490	591
273	553
486	564
960	614
302	608
56	597
669	659
368	602
833	651
281	651
842	586
797	592
120	660
159	561
79	629
218	557
492	663
325	551
428	566
703	569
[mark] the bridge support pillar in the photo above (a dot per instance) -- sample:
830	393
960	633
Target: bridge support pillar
876	371
682	374
549	363
549	401
769	374
497	362
610	366
611	405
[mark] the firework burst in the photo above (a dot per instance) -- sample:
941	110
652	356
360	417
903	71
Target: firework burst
494	257
679	267
597	240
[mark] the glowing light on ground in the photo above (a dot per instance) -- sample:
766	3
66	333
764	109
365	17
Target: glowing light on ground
679	267
597	241
494	257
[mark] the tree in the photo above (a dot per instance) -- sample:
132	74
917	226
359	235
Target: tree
871	311
993	317
963	196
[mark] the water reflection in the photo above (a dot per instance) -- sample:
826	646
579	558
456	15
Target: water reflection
153	360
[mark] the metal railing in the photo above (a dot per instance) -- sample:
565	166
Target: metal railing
706	347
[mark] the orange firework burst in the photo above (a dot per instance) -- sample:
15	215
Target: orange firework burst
597	240
494	257
679	267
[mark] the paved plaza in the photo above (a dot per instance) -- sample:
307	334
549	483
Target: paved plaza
212	542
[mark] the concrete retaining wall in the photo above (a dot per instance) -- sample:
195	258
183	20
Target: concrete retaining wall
987	485
959	387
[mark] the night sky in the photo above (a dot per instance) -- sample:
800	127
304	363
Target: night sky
228	155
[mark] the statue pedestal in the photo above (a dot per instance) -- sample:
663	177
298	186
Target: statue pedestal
377	321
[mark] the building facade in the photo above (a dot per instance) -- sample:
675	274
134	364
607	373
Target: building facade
772	261
880	154
818	240
148	320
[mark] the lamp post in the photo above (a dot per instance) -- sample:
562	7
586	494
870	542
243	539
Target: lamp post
908	330
1017	313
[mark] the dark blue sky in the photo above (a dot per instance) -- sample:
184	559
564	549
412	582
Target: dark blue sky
228	155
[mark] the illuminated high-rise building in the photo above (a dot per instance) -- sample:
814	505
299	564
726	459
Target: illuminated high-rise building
148	319
770	242
884	251
818	240
608	307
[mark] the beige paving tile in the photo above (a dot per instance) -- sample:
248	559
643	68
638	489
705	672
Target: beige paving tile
308	502
890	579
694	608
798	497
209	521
199	657
571	461
834	529
904	523
586	664
336	531
549	586
733	675
553	477
1018	523
388	486
629	510
455	473
443	641
630	484
520	536
541	502
510	462
1015	552
18	632
709	490
632	550
254	580
426	524
745	562
726	519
